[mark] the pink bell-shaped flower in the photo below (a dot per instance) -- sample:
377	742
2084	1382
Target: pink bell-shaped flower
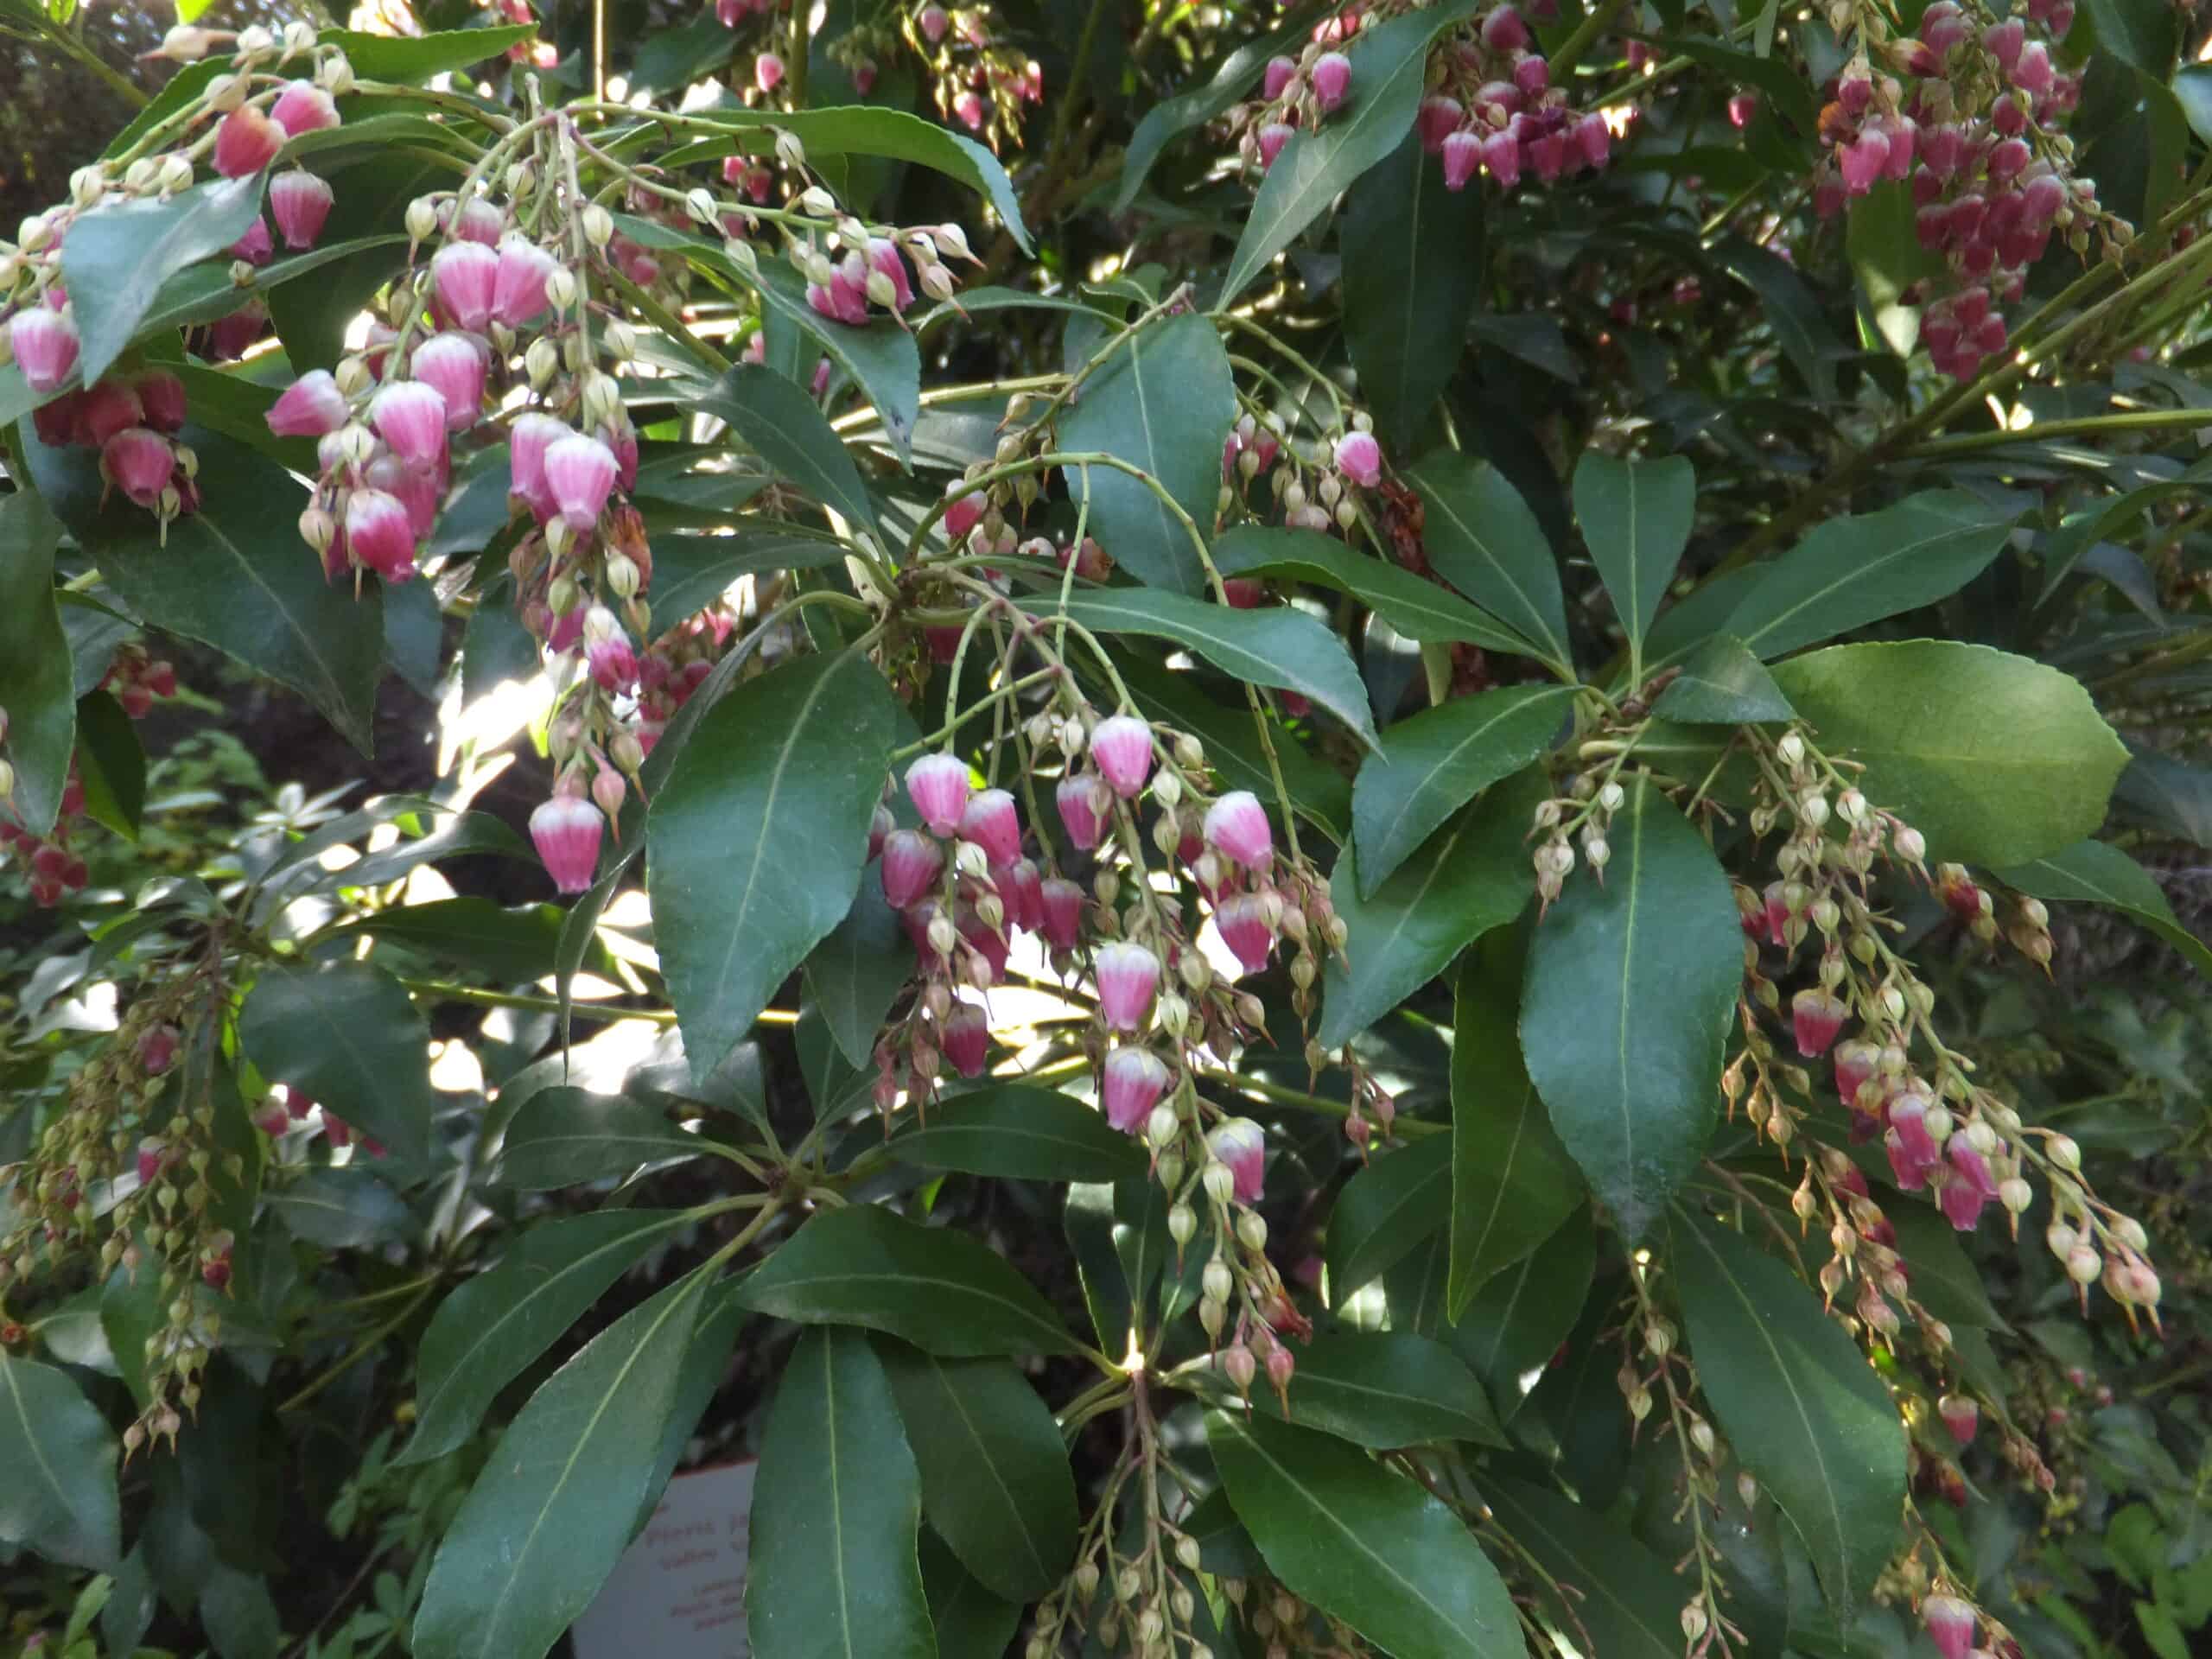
991	821
911	864
138	462
44	343
417	489
1128	976
1236	826
1908	1122
1120	745
1439	119
963	515
1463	153
1863	159
379	534
1272	137
454	365
938	784
1135	1078
1242	922
1960	1416
257	246
767	72
410	417
1279	74
1331	79
246	142
311	407
1360	458
1242	1145
533	435
1950	1622
566	829
1502	155
1504	31
1816	1016
466	277
518	280
479	220
1854	1064
1021	890
883	256
1062	902
107	409
161	396
1910	1174
301	202
303	106
966	1038
1082	801
579	473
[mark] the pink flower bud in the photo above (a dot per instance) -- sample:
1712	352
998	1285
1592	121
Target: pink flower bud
767	72
864	79
612	663
246	142
106	409
467	276
1594	139
1908	1122
1532	75
1903	134
910	864
161	395
608	791
453	363
157	1050
410	417
417	489
1942	26
1360	458
1439	119
2006	159
1951	1621
579	473
1504	31
566	828
971	111
378	534
1272	137
1242	1145
534	435
2004	41
1239	1367
933	21
1862	160
309	408
1134	1080
1501	157
1082	801
1960	1416
518	280
45	346
1122	747
1242	922
991	821
1279	74
257	246
1061	903
883	255
938	784
1742	106
1331	79
880	826
301	203
303	106
1236	826
138	462
1129	974
1854	1064
1816	1016
1463	153
479	220
1021	891
963	514
966	1038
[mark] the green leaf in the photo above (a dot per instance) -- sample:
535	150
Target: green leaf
1625	1015
692	572
112	762
995	1481
946	1292
37	682
1944	1280
204	292
1636	518
1882	244
1388	64
1517	1320
1469	877
1019	1132
1383	1389
129	1613
1165	402
116	258
1384	1211
856	973
1787	305
1849	572
514	946
1798	1401
239	1615
1409	293
564	1137
1435	762
57	1469
374	186
1171	118
1512	1182
754	843
556	1505
1994	759
234	575
1620	1600
1279	646
339	1209
350	1037
490	1329
1363	1544
777	419
836	1515
967	1617
1722	683
2095	873
415	59
2142	33
1418	609
1482	539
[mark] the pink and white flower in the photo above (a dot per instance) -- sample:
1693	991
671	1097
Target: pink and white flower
518	280
579	474
301	202
138	462
1082	801
44	343
1330	76
1816	1017
566	829
454	365
1122	747
246	142
911	864
1950	1622
410	417
532	435
966	1038
1242	1146
303	106
466	277
311	407
1135	1078
992	823
938	784
1242	921
1236	827
1129	978
1062	902
1360	458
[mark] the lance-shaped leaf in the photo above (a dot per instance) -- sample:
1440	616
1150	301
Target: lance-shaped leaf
37	687
1482	539
562	1136
349	1036
1383	1389
785	426
1520	1315
1165	402
1722	683
1419	610
1411	290
116	258
1384	1211
755	842
1171	117
57	1469
1018	1131
1636	518
858	972
1625	1014
2096	873
1605	1586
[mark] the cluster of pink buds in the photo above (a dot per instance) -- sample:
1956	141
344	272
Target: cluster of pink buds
861	269
287	1107
979	80
132	420
1313	494
733	13
137	681
1491	107
51	868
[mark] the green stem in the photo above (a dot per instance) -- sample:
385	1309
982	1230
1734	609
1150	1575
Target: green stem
2146	420
1585	35
483	999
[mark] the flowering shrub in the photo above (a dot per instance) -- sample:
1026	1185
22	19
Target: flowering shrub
1305	766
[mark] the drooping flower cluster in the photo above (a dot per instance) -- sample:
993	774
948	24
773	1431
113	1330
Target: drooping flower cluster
977	78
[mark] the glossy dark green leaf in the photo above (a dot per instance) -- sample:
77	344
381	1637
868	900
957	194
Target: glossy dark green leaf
36	684
1384	1389
111	763
339	1209
1165	401
1994	759
858	972
1625	1014
1435	762
1088	1222
1798	1401
1636	518
1606	1589
129	1613
234	575
692	572
239	1614
1482	539
2096	873
1171	118
706	1367
1411	289
1512	1182
557	1502
995	1481
1319	163
1278	647
836	1514
1470	876
782	424
57	1469
116	258
1943	1278
966	1617
413	58
1575	1412
1418	609
1362	1543
350	1037
947	1292
2141	34
1020	1132
512	946
1384	1211
1882	244
754	843
563	1136
1518	1317
1722	683
1849	572
1786	303
490	1329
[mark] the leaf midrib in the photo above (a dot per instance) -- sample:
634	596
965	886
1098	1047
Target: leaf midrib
802	1281
984	1457
31	1440
1543	643
1387	835
1856	575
